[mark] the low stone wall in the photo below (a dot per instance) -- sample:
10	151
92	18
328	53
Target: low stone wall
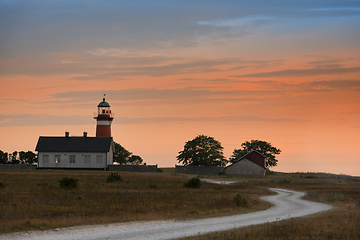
199	170
18	166
133	168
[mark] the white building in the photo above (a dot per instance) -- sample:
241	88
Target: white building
75	152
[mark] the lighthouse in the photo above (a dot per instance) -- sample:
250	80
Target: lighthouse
104	119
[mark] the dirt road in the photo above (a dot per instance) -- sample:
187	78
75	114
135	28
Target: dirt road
287	204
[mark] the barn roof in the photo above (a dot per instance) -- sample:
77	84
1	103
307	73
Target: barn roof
74	144
245	157
251	152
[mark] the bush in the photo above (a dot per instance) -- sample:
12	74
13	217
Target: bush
68	182
193	183
113	177
151	185
240	201
2	185
285	181
159	170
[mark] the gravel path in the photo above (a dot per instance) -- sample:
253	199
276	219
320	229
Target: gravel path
287	204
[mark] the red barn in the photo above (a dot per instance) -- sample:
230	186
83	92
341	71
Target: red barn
253	163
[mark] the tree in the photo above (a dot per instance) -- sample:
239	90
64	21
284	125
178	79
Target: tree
31	157
123	156
262	147
3	157
22	156
27	157
135	159
13	158
202	151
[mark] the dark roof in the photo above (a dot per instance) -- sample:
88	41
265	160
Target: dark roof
74	144
245	157
104	103
251	152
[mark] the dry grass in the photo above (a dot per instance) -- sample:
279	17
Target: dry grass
33	199
341	223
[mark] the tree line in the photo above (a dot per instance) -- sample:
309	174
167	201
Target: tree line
21	157
201	151
206	151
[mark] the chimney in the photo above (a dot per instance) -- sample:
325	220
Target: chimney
85	134
66	134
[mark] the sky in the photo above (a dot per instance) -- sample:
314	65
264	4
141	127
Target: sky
286	72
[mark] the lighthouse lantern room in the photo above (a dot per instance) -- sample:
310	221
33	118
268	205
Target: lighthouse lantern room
104	119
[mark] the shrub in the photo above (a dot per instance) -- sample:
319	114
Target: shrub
285	181
159	170
193	183
68	182
151	185
113	177
241	201
2	185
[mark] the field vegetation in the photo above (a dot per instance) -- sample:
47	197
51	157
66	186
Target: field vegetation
343	222
44	199
34	200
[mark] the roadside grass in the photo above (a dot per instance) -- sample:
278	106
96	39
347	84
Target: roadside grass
340	223
343	222
33	200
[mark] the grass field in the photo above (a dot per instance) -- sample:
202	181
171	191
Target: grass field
33	200
343	222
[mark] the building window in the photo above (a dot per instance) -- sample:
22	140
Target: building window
72	158
87	159
57	158
45	158
99	159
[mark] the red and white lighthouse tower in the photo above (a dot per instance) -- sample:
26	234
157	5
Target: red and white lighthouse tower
104	119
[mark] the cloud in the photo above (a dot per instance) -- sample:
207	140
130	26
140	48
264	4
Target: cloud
302	72
348	85
224	119
352	112
46	26
151	96
325	62
335	9
312	86
243	22
40	26
51	120
267	89
42	120
95	67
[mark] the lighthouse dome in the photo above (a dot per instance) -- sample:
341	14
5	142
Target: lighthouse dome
104	103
